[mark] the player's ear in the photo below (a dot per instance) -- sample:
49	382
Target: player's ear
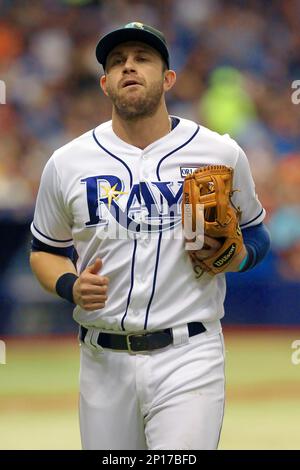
103	84
169	80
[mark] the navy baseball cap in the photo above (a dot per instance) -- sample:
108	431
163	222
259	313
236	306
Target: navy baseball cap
132	32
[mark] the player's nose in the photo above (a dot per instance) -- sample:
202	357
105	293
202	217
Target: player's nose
129	64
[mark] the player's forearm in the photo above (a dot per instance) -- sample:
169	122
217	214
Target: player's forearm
257	241
48	267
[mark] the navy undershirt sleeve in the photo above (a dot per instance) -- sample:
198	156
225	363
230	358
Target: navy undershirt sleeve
257	241
37	245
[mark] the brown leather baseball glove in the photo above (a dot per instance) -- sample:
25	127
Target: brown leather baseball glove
211	221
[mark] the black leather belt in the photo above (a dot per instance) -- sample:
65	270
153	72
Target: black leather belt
140	342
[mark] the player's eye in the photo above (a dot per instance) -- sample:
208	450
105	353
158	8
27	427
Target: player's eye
117	60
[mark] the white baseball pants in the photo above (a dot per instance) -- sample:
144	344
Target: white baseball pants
171	398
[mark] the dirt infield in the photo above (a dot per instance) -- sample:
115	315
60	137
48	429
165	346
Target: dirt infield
48	402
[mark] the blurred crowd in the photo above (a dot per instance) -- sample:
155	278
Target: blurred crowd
236	63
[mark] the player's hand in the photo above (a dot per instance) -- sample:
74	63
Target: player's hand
90	289
235	264
210	247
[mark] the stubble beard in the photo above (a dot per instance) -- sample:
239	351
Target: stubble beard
132	106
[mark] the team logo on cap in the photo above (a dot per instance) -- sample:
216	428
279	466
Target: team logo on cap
135	25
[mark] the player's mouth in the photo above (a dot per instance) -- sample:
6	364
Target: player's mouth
129	83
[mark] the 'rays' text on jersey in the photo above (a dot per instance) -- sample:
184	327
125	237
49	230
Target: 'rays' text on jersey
145	207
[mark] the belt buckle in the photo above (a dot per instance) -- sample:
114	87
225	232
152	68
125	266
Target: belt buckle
129	344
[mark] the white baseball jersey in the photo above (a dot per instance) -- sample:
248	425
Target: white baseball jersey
115	201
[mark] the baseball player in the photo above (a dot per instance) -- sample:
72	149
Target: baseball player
152	354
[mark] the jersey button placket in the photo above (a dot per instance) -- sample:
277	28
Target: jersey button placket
145	167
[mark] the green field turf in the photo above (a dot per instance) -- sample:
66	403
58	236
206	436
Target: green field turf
39	393
263	389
